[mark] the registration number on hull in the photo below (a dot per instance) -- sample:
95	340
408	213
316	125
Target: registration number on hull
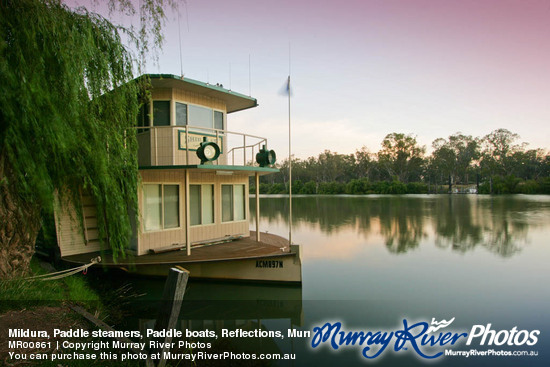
272	264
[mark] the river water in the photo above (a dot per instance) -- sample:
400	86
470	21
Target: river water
376	262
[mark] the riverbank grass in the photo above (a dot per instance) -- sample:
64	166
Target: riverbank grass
18	294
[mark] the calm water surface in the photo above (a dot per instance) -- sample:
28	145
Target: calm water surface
372	261
412	247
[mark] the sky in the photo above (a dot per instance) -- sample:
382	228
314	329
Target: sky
363	69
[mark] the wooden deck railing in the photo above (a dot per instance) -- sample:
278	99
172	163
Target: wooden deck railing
238	148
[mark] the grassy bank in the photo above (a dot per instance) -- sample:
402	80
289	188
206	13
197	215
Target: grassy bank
20	294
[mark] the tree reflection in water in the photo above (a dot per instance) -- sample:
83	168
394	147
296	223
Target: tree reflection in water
459	222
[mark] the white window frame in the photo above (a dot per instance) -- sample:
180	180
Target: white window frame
212	125
176	113
233	203
162	184
213	204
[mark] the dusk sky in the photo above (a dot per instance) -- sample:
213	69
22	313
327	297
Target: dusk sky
363	69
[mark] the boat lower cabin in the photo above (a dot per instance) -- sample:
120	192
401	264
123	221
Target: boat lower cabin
194	193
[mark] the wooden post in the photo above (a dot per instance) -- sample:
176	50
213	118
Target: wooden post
187	145
156	147
187	215
170	307
221	147
257	207
104	326
244	150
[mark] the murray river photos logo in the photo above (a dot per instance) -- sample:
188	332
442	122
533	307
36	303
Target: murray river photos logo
428	341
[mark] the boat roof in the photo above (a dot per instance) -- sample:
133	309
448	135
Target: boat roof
234	101
250	170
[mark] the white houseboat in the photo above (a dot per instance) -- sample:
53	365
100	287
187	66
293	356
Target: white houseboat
194	193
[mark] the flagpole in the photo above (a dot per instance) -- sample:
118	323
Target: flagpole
289	157
289	170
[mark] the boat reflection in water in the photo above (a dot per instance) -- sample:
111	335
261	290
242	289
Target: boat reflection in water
266	310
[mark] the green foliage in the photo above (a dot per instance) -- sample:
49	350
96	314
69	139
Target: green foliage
309	188
401	156
17	294
497	150
277	189
67	108
297	187
397	187
544	186
354	187
513	185
452	159
528	187
417	188
357	187
458	160
331	188
264	188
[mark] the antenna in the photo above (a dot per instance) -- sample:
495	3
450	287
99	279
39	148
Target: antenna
249	78
230	76
181	57
186	14
179	33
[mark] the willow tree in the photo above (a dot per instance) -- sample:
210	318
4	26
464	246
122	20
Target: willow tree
67	107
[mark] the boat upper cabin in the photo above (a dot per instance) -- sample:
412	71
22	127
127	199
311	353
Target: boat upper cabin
194	171
182	113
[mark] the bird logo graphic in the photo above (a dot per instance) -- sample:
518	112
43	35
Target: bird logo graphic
439	325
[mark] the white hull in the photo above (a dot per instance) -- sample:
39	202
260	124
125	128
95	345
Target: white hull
286	268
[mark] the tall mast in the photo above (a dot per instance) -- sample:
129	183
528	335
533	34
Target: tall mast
289	169
289	158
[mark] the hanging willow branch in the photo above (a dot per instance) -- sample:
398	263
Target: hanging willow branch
67	105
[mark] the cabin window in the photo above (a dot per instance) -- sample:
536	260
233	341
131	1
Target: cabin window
181	114
171	205
233	203
161	113
227	203
218	120
161	206
200	116
143	117
201	204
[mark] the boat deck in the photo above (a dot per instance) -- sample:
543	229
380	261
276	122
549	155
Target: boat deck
243	248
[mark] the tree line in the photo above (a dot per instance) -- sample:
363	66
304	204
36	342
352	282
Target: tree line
493	164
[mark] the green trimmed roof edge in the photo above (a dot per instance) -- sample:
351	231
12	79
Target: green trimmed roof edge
215	168
202	84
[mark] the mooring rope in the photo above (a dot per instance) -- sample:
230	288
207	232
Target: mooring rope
66	272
